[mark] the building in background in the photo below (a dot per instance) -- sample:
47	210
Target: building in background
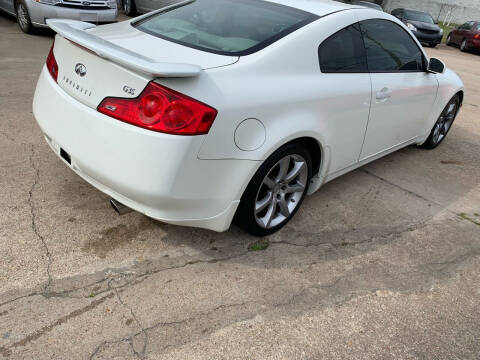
449	11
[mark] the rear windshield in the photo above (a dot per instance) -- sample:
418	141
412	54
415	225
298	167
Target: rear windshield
418	16
227	27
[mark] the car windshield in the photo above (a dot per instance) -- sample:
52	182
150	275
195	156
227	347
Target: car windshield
418	16
228	27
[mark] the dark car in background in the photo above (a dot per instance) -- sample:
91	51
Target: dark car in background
467	36
422	25
367	4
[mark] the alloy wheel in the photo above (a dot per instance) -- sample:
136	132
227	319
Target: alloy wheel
281	191
22	16
445	121
464	46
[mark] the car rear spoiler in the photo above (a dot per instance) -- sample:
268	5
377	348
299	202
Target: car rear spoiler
75	31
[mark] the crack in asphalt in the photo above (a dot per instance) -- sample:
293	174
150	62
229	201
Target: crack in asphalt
34	218
399	187
172	323
115	290
396	232
8	137
139	354
47	328
136	278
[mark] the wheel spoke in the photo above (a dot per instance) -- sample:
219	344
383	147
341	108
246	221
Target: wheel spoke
267	219
284	165
436	133
262	204
295	188
446	127
269	182
451	109
297	167
283	205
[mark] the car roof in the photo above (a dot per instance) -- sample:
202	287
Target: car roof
317	7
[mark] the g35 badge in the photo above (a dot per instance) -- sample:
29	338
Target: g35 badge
129	90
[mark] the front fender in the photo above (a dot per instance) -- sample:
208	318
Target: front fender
449	84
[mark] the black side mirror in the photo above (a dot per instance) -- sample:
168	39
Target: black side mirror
436	66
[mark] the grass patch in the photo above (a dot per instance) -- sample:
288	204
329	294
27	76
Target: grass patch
259	245
466	217
446	29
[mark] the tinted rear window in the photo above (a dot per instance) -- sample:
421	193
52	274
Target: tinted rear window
344	52
228	27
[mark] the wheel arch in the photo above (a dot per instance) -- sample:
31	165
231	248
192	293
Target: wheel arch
461	94
314	148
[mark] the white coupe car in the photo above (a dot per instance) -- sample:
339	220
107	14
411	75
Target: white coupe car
210	111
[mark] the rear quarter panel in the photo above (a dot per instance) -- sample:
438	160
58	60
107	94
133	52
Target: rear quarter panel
283	87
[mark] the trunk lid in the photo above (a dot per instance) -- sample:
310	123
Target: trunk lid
89	78
118	61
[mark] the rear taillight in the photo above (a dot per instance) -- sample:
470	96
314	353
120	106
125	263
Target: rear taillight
161	109
476	36
52	64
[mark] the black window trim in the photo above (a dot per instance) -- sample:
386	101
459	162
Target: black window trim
342	72
309	19
424	58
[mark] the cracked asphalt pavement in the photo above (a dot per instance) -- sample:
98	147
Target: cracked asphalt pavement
382	263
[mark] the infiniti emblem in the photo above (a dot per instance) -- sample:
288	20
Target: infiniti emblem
80	69
86	3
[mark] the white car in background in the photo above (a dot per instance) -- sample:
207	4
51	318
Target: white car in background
34	13
203	113
134	7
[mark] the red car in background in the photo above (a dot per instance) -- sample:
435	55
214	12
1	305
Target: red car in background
467	36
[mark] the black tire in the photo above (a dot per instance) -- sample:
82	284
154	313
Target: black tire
23	17
464	45
432	45
439	132
246	212
129	7
448	41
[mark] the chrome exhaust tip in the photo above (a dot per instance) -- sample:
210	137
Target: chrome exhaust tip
119	208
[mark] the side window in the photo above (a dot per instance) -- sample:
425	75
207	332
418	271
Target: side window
390	48
343	52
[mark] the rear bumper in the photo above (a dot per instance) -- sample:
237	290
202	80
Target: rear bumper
156	174
39	13
428	38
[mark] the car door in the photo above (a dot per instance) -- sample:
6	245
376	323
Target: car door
7	5
403	93
346	104
151	5
460	33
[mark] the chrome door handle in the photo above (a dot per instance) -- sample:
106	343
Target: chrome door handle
384	94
